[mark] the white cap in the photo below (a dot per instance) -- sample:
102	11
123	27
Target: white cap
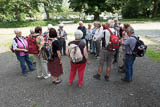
61	25
17	31
50	26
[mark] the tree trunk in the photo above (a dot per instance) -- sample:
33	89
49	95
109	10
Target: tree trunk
96	16
155	9
17	13
46	11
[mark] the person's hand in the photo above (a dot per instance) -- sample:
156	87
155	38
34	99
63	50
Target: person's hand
25	50
88	62
60	62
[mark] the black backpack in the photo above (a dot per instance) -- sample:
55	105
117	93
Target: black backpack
140	48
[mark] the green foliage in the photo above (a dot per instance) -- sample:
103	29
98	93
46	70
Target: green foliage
17	10
153	55
94	7
27	23
137	8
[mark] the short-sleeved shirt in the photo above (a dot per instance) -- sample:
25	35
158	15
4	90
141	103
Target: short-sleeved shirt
81	45
55	47
130	44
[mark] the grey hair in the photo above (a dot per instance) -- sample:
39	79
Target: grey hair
78	34
17	31
32	31
130	29
80	22
111	23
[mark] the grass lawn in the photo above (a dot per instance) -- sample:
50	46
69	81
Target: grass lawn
153	55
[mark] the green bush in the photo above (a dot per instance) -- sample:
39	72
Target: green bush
16	24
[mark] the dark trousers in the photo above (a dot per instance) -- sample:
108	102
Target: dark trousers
88	42
22	60
129	66
63	45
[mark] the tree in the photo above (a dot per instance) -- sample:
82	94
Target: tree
155	8
51	6
95	7
17	9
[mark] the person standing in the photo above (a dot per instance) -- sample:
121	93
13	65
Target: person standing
55	64
121	61
97	39
80	66
106	54
41	62
89	36
20	46
62	35
82	28
129	44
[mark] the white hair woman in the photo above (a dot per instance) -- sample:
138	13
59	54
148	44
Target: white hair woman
20	46
80	66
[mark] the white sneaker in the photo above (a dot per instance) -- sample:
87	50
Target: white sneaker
46	77
49	75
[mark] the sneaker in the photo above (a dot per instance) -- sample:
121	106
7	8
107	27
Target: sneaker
49	75
58	82
97	76
46	77
40	77
106	78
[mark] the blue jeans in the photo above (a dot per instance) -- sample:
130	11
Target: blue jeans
94	46
129	61
22	60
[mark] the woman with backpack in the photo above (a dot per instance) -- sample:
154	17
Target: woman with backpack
55	63
77	51
20	47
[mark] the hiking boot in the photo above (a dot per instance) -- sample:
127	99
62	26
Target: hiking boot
106	78
123	79
97	76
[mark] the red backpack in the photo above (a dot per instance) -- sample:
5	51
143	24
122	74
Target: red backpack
32	44
114	41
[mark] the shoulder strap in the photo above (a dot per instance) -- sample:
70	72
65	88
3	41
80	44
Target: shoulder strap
21	41
135	37
110	31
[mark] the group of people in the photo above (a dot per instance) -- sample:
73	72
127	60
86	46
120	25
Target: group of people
97	40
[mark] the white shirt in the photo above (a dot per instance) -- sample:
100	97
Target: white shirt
98	33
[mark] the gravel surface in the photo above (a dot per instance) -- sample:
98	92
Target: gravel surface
19	91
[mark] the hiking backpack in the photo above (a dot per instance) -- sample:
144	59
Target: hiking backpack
75	53
140	48
32	44
47	52
114	42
